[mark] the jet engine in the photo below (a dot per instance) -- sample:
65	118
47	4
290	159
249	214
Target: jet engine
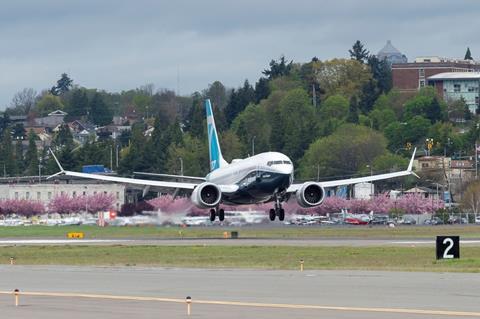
206	195
310	194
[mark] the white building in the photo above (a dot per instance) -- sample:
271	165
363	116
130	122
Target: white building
48	191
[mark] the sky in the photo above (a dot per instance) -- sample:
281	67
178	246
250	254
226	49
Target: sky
184	46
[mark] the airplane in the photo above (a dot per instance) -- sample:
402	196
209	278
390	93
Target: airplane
265	177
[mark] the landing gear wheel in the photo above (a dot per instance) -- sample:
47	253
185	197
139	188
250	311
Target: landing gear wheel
272	214
221	214
212	215
281	214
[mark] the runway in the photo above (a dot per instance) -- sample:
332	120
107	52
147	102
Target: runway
352	242
238	293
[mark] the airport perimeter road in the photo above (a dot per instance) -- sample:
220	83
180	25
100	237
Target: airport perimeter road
265	294
357	242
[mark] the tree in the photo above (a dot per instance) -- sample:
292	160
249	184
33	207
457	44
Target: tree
297	131
358	52
78	105
194	155
471	198
239	99
7	154
99	113
63	85
344	77
48	103
353	111
23	102
278	68
356	145
381	73
31	157
335	106
196	123
468	55
261	89
426	104
246	128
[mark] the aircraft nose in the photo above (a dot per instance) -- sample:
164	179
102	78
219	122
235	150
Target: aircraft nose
286	169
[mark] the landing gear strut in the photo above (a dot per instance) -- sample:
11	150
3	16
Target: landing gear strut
217	212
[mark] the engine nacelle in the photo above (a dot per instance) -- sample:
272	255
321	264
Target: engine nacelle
310	194
206	195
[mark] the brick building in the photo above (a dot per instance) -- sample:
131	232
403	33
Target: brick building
410	77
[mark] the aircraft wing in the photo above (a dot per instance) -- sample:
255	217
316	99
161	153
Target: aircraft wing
136	181
133	181
349	181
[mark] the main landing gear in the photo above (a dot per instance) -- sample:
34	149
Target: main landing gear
277	211
217	212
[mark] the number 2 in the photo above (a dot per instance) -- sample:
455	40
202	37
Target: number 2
446	255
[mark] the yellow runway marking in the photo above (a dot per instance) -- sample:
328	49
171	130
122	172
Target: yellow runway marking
253	304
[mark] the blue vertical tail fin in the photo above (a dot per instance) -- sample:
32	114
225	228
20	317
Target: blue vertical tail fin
216	158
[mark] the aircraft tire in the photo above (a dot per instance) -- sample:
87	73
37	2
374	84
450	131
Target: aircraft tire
272	214
281	214
221	214
212	215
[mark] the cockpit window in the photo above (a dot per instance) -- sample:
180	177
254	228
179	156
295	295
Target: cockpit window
270	163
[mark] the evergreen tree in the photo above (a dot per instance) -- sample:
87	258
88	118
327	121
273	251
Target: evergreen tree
353	111
7	153
31	157
239	101
99	112
277	69
468	55
196	118
64	84
382	73
78	105
369	95
261	89
358	52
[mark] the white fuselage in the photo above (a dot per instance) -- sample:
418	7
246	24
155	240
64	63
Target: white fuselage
258	177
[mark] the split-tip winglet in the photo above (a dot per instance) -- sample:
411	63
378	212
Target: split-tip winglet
58	163
410	165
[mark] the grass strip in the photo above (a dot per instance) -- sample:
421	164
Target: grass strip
274	231
254	257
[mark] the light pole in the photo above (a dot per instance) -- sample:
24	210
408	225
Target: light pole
253	145
429	143
181	166
40	170
86	202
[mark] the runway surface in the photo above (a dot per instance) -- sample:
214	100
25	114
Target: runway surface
354	242
238	293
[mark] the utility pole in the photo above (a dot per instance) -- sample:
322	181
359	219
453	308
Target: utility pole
181	166
253	145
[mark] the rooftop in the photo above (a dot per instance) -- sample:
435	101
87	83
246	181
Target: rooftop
455	76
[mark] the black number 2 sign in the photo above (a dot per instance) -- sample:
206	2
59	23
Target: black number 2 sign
448	247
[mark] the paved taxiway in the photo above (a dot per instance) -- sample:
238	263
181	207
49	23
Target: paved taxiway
455	295
354	242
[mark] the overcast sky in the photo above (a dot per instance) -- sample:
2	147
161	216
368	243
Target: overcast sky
118	45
